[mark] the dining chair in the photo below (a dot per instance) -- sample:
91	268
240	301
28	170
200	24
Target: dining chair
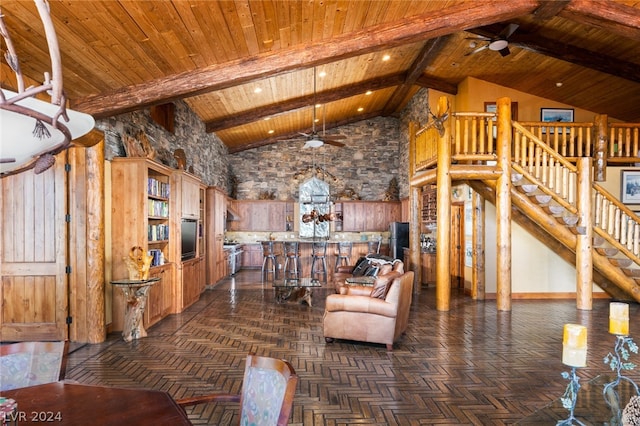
26	364
266	398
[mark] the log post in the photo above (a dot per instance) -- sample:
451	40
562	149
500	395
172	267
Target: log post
478	269
584	258
601	148
414	237
503	206
443	200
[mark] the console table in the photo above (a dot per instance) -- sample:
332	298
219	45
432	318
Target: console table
135	294
591	408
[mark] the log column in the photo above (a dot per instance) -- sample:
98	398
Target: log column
503	206
443	195
584	258
601	148
414	214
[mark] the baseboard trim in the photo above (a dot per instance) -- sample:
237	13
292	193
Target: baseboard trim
550	296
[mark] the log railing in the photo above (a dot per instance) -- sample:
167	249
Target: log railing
545	167
623	141
616	223
568	139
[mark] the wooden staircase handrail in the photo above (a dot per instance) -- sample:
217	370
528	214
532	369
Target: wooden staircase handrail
538	142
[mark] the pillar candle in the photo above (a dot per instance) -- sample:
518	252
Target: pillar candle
574	345
619	318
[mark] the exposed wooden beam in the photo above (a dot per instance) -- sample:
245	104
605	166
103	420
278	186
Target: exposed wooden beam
291	105
424	58
611	16
372	39
564	52
437	84
295	135
549	9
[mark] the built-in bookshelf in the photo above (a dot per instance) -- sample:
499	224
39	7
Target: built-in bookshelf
142	215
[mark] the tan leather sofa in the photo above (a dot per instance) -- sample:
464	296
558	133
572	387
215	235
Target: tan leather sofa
356	315
384	267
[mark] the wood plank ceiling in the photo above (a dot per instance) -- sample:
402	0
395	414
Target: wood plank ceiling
247	68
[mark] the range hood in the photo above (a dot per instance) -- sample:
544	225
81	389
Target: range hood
232	214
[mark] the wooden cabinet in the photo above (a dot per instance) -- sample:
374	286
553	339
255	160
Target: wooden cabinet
189	193
263	215
428	264
192	286
216	217
142	215
252	256
160	298
368	216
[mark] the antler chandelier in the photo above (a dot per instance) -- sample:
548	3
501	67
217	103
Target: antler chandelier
33	130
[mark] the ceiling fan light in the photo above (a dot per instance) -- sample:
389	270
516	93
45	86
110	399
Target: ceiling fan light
498	45
313	143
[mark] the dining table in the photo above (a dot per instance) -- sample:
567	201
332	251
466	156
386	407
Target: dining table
71	403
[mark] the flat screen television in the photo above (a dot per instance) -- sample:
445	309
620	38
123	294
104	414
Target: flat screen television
188	233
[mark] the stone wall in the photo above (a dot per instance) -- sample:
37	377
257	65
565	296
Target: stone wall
376	151
365	165
205	151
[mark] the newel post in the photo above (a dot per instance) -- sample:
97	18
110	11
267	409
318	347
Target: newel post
601	148
443	200
503	206
584	254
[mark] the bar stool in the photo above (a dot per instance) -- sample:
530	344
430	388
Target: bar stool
319	253
373	247
269	259
343	255
292	266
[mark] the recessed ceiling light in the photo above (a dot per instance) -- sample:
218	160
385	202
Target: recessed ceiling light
368	92
271	131
559	84
360	109
267	118
257	90
322	74
386	57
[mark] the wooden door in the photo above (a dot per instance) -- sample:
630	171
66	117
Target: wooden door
33	290
457	256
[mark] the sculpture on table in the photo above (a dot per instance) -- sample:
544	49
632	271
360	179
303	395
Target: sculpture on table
138	263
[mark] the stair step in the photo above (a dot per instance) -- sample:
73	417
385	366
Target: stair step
607	251
554	209
621	263
528	188
516	177
568	219
541	199
598	241
631	272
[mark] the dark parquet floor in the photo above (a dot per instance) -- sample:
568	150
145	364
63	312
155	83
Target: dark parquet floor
473	365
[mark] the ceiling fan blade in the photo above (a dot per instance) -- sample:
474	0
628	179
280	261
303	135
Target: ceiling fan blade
334	143
510	29
479	49
7	160
337	137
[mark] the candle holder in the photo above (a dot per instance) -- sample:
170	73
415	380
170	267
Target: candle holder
619	361
570	397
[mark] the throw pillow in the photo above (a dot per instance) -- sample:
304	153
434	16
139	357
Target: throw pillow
381	286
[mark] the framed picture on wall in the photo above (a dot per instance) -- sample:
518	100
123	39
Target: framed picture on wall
630	186
492	107
557	114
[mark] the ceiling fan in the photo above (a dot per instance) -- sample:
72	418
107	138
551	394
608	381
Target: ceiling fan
499	44
313	139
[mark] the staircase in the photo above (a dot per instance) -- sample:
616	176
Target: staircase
550	172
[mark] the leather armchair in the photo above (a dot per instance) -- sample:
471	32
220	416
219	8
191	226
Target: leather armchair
356	315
